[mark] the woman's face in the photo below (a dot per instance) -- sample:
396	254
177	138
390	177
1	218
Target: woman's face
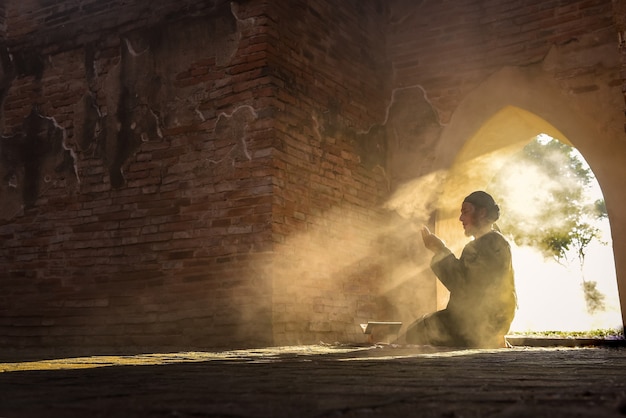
472	219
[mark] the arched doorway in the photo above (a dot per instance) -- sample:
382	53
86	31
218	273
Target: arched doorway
503	115
552	295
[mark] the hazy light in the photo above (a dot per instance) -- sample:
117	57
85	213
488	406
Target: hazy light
259	355
154	359
550	295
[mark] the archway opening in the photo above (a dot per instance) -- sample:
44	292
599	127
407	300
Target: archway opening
555	217
554	294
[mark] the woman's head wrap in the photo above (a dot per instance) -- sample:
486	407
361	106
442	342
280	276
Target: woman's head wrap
482	199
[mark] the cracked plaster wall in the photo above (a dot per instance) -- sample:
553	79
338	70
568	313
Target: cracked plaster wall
224	170
194	149
127	189
124	105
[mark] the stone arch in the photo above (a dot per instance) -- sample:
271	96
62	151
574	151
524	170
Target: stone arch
505	113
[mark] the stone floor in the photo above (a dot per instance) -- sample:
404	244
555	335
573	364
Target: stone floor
324	381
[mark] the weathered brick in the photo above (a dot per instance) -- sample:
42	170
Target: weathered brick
207	214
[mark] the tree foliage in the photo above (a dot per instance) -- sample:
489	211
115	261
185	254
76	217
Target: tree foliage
544	192
565	220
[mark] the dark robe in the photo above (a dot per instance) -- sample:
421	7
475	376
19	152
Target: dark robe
482	296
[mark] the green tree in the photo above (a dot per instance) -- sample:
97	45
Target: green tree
555	213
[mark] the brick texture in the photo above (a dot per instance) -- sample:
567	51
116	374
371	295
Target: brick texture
162	163
462	43
180	175
325	212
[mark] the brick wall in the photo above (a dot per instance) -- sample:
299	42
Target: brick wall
139	199
330	168
181	175
463	42
3	26
445	52
172	171
619	18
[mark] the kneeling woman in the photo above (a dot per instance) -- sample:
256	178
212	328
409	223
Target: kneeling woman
481	283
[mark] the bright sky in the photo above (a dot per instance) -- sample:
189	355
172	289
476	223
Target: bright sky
551	296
